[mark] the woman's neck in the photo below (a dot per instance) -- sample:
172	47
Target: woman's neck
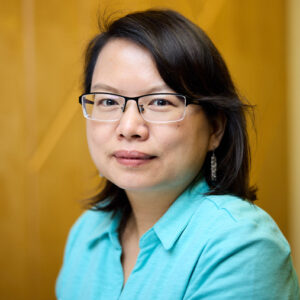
148	208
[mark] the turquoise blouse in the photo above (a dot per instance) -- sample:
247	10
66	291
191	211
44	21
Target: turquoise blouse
203	247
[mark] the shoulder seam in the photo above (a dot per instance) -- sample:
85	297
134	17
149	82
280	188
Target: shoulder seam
222	208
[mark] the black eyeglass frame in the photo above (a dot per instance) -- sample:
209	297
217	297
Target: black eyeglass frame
187	99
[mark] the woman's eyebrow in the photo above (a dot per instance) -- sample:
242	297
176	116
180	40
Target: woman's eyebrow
106	87
158	88
102	86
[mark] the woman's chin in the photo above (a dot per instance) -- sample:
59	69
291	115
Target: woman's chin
146	187
138	187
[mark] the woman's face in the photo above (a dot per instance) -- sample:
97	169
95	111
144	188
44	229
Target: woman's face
132	153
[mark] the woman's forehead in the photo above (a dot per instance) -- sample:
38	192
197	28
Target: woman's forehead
123	67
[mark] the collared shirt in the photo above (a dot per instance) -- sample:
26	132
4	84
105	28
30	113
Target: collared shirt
203	247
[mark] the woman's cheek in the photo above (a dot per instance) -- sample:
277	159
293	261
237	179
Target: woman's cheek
97	134
94	139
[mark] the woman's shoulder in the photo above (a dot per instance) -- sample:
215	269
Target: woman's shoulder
241	240
234	210
88	222
224	214
90	219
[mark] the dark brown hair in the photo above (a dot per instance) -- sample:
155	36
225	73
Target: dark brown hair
190	64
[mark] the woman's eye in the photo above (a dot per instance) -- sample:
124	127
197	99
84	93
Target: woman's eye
106	102
160	102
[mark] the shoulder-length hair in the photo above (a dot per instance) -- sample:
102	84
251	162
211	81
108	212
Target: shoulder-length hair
190	64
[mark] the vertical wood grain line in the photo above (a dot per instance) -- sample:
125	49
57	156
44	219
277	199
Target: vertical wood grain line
29	73
30	124
293	20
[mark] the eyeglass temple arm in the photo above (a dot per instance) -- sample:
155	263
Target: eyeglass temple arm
193	101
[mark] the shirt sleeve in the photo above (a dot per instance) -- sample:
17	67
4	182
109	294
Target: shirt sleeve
244	262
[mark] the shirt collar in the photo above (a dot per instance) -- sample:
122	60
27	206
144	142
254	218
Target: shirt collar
168	228
171	225
108	226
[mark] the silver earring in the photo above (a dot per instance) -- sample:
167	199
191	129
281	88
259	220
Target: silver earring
213	166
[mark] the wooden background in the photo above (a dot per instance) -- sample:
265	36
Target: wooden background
45	167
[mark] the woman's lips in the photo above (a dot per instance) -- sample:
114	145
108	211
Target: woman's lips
132	158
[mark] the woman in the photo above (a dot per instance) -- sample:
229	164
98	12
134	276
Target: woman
166	128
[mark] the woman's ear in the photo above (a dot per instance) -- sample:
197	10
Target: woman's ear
218	125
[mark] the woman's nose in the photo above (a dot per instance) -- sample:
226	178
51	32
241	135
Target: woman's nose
132	126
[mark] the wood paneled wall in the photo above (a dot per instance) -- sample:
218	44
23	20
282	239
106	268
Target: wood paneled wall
45	166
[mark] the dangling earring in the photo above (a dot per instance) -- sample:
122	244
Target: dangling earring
213	167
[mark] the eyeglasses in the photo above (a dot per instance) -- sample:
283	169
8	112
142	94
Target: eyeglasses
154	108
